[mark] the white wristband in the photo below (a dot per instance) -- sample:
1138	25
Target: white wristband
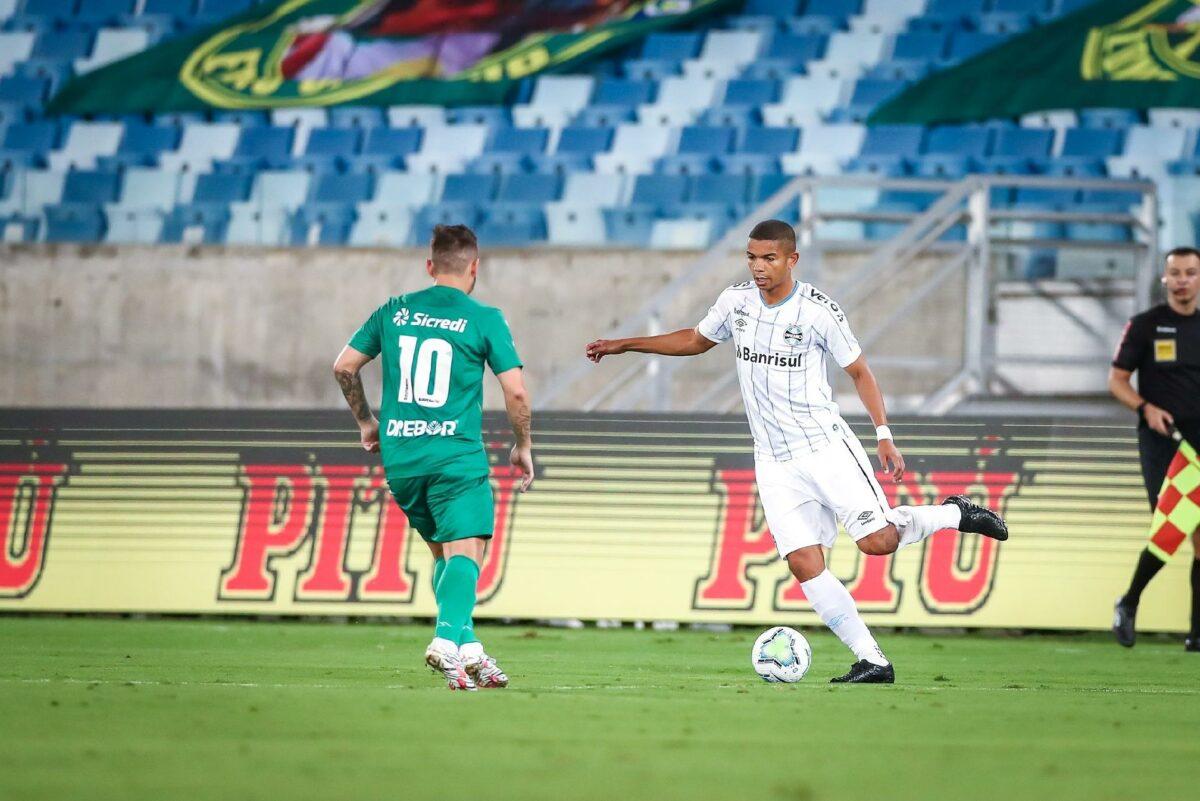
882	433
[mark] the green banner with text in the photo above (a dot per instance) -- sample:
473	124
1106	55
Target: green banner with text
1134	54
296	53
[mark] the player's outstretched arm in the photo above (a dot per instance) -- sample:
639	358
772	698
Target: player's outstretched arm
872	398
346	370
684	342
516	401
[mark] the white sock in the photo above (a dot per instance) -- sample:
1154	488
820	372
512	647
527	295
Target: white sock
917	523
471	651
442	645
831	600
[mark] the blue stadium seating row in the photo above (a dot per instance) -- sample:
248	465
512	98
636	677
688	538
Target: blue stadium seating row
662	147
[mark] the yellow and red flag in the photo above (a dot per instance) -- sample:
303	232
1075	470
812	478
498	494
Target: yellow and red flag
1178	511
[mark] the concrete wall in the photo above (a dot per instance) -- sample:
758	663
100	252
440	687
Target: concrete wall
100	326
247	327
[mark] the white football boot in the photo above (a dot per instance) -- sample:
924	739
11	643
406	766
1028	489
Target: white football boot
486	674
442	655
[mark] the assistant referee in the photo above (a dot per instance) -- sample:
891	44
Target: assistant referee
1162	345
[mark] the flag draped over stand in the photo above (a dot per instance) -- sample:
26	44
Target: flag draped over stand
1135	54
293	53
1178	511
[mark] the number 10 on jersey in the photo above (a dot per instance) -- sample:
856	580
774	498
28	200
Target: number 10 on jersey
414	384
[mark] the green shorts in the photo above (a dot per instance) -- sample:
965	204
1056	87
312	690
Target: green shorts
445	508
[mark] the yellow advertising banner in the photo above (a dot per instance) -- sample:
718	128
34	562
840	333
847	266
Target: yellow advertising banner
632	517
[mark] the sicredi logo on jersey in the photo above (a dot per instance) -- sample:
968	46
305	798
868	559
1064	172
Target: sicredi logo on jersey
423	320
421	428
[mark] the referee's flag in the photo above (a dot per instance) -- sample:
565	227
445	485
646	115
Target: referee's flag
1178	511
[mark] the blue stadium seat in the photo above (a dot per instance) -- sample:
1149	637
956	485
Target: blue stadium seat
868	93
576	146
950	14
671	46
1085	149
1005	24
1120	118
492	116
182	9
622	93
719	199
24	89
199	223
74	223
340	188
458	213
100	13
512	225
536	189
773	8
261	148
90	186
140	145
43	14
26	144
357	117
221	188
628	227
953	151
471	188
329	149
209	12
1030	7
796	49
966	44
888	149
62	46
758	150
246	118
1099	231
511	150
920	46
838	10
387	148
748	92
327	224
658	192
698	148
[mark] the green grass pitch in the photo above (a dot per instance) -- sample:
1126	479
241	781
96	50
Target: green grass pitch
186	709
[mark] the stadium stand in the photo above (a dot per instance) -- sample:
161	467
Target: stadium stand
664	146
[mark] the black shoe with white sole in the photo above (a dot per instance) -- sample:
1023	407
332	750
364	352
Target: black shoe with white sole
977	519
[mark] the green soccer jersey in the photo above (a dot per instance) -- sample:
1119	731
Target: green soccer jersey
434	344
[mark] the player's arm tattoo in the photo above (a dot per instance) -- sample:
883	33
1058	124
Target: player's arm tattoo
356	397
521	419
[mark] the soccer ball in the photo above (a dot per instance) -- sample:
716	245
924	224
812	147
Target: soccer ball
781	655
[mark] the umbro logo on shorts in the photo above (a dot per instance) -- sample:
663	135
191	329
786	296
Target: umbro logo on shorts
865	516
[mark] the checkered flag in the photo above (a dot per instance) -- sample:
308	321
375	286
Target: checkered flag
1178	511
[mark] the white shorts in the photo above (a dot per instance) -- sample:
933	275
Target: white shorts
805	498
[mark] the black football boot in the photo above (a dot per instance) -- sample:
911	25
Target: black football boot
864	672
978	520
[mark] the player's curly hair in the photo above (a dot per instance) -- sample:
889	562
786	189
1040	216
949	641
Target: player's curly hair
775	231
453	248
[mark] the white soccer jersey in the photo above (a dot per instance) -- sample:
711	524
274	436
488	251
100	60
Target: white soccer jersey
780	355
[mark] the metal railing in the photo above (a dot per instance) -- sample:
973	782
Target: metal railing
959	232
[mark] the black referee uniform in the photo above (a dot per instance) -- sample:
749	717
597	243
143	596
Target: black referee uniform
1163	348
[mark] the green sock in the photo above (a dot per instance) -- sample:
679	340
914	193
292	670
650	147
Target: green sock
456	597
439	567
